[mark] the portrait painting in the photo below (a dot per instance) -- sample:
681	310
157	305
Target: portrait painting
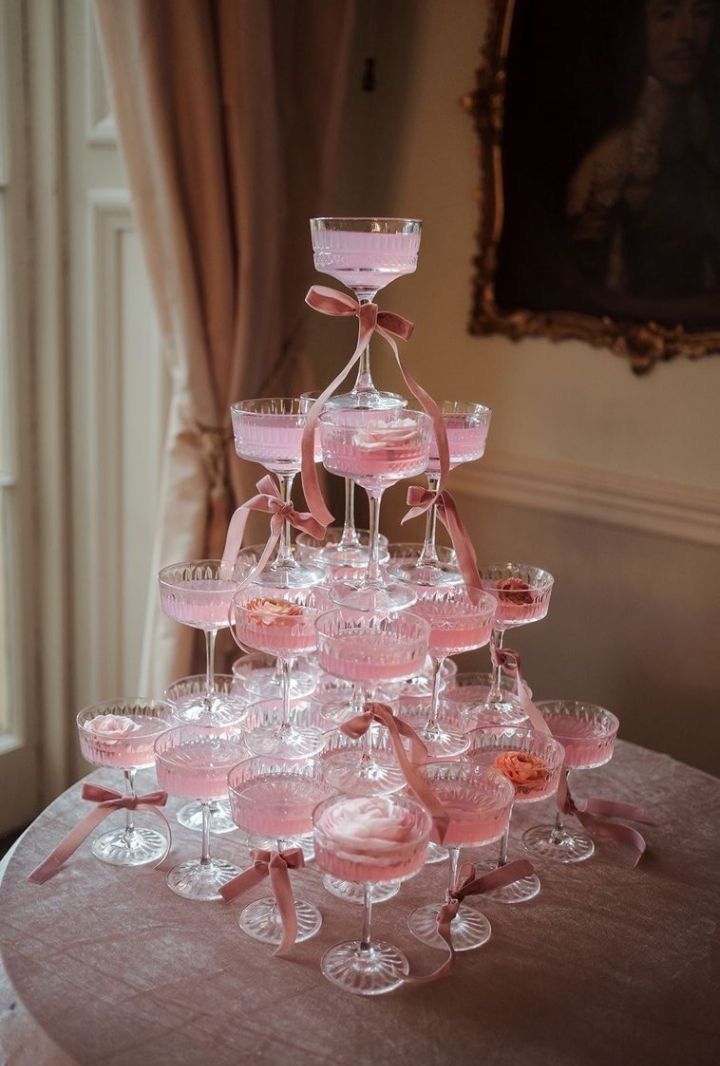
599	124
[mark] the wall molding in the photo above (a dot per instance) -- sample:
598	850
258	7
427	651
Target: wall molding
100	127
665	508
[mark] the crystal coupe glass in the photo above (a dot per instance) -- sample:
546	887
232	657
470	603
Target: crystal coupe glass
121	734
366	839
587	733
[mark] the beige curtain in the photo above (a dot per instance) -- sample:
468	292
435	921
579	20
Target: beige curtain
228	114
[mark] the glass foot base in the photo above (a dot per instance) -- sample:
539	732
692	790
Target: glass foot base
382	601
219	710
351	892
305	843
190	816
261	920
435	854
373	776
292	743
500	712
547	842
436	574
194	880
297	576
444	743
371	972
517	892
130	847
470	928
265	684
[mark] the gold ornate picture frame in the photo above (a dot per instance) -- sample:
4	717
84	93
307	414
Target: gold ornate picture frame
524	95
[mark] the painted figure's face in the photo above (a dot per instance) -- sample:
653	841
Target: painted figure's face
677	34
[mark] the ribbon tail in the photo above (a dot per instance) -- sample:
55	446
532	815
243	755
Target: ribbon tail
617	831
69	845
444	921
282	890
467	559
498	878
244	881
614	809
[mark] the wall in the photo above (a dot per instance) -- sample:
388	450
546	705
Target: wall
608	480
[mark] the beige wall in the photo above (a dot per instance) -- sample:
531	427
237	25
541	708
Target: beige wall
609	480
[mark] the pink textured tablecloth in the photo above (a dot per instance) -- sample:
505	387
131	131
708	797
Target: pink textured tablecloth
609	964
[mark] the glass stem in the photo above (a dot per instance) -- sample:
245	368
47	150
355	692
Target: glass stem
558	830
364	381
129	791
349	538
373	570
210	637
495	694
284	556
437	689
365	942
205	853
454	864
429	556
286	666
503	856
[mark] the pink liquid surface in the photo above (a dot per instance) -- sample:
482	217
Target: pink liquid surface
277	805
372	657
131	750
367	838
282	637
585	745
199	769
379	464
202	603
466	443
365	260
274	440
475	818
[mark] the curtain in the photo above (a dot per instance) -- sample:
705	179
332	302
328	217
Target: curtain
228	114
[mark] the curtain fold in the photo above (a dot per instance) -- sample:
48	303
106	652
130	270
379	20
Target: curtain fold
228	114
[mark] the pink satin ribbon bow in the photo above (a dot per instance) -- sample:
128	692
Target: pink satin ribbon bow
592	814
107	800
275	865
508	660
420	500
379	712
269	500
390	327
470	886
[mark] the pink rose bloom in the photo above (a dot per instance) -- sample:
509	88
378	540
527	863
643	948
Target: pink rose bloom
111	725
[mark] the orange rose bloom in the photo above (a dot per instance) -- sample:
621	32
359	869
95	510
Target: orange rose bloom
267	611
528	773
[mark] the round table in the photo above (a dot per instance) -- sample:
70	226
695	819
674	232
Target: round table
608	964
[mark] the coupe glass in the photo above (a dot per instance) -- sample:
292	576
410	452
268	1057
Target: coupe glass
532	763
478	805
523	596
376	449
269	432
281	622
367	650
194	763
190	691
460	619
365	254
344	550
199	594
367	839
467	428
469	692
275	798
587	733
121	734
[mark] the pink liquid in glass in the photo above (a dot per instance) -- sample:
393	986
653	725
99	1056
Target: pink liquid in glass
587	743
122	741
377	451
475	818
369	838
466	444
202	603
199	769
277	627
457	623
273	440
277	805
518	607
365	261
372	657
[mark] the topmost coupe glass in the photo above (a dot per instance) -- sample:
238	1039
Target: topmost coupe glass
365	254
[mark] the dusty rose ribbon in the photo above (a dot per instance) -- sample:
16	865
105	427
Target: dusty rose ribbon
380	712
269	500
107	800
509	660
420	500
592	814
275	865
390	327
470	886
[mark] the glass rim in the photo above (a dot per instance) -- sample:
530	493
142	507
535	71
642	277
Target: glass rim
365	614
102	707
365	218
405	801
544	580
243	406
523	731
199	732
328	412
612	721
